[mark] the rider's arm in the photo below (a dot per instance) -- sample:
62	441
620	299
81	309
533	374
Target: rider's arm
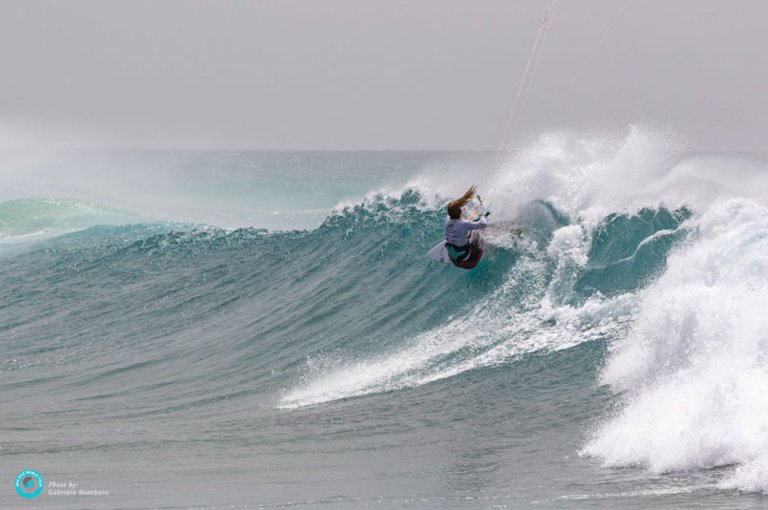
479	223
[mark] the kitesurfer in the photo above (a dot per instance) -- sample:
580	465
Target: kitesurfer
464	247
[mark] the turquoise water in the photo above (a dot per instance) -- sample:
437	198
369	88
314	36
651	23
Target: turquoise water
611	355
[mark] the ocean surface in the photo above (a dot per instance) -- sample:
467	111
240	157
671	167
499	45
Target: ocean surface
236	330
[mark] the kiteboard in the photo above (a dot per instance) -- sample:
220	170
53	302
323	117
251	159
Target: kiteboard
439	253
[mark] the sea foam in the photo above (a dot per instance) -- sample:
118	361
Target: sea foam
694	368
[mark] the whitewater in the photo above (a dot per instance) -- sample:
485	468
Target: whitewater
261	329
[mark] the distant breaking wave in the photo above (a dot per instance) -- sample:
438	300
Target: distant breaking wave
24	217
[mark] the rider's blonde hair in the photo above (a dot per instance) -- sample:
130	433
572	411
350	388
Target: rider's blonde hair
454	207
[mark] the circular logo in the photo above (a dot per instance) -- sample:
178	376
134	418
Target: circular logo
29	484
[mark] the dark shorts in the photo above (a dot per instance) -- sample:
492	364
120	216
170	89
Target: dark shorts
467	256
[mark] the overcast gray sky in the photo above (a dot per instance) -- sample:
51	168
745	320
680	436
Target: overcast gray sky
393	74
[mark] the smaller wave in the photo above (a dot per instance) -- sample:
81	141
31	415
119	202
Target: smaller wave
25	219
